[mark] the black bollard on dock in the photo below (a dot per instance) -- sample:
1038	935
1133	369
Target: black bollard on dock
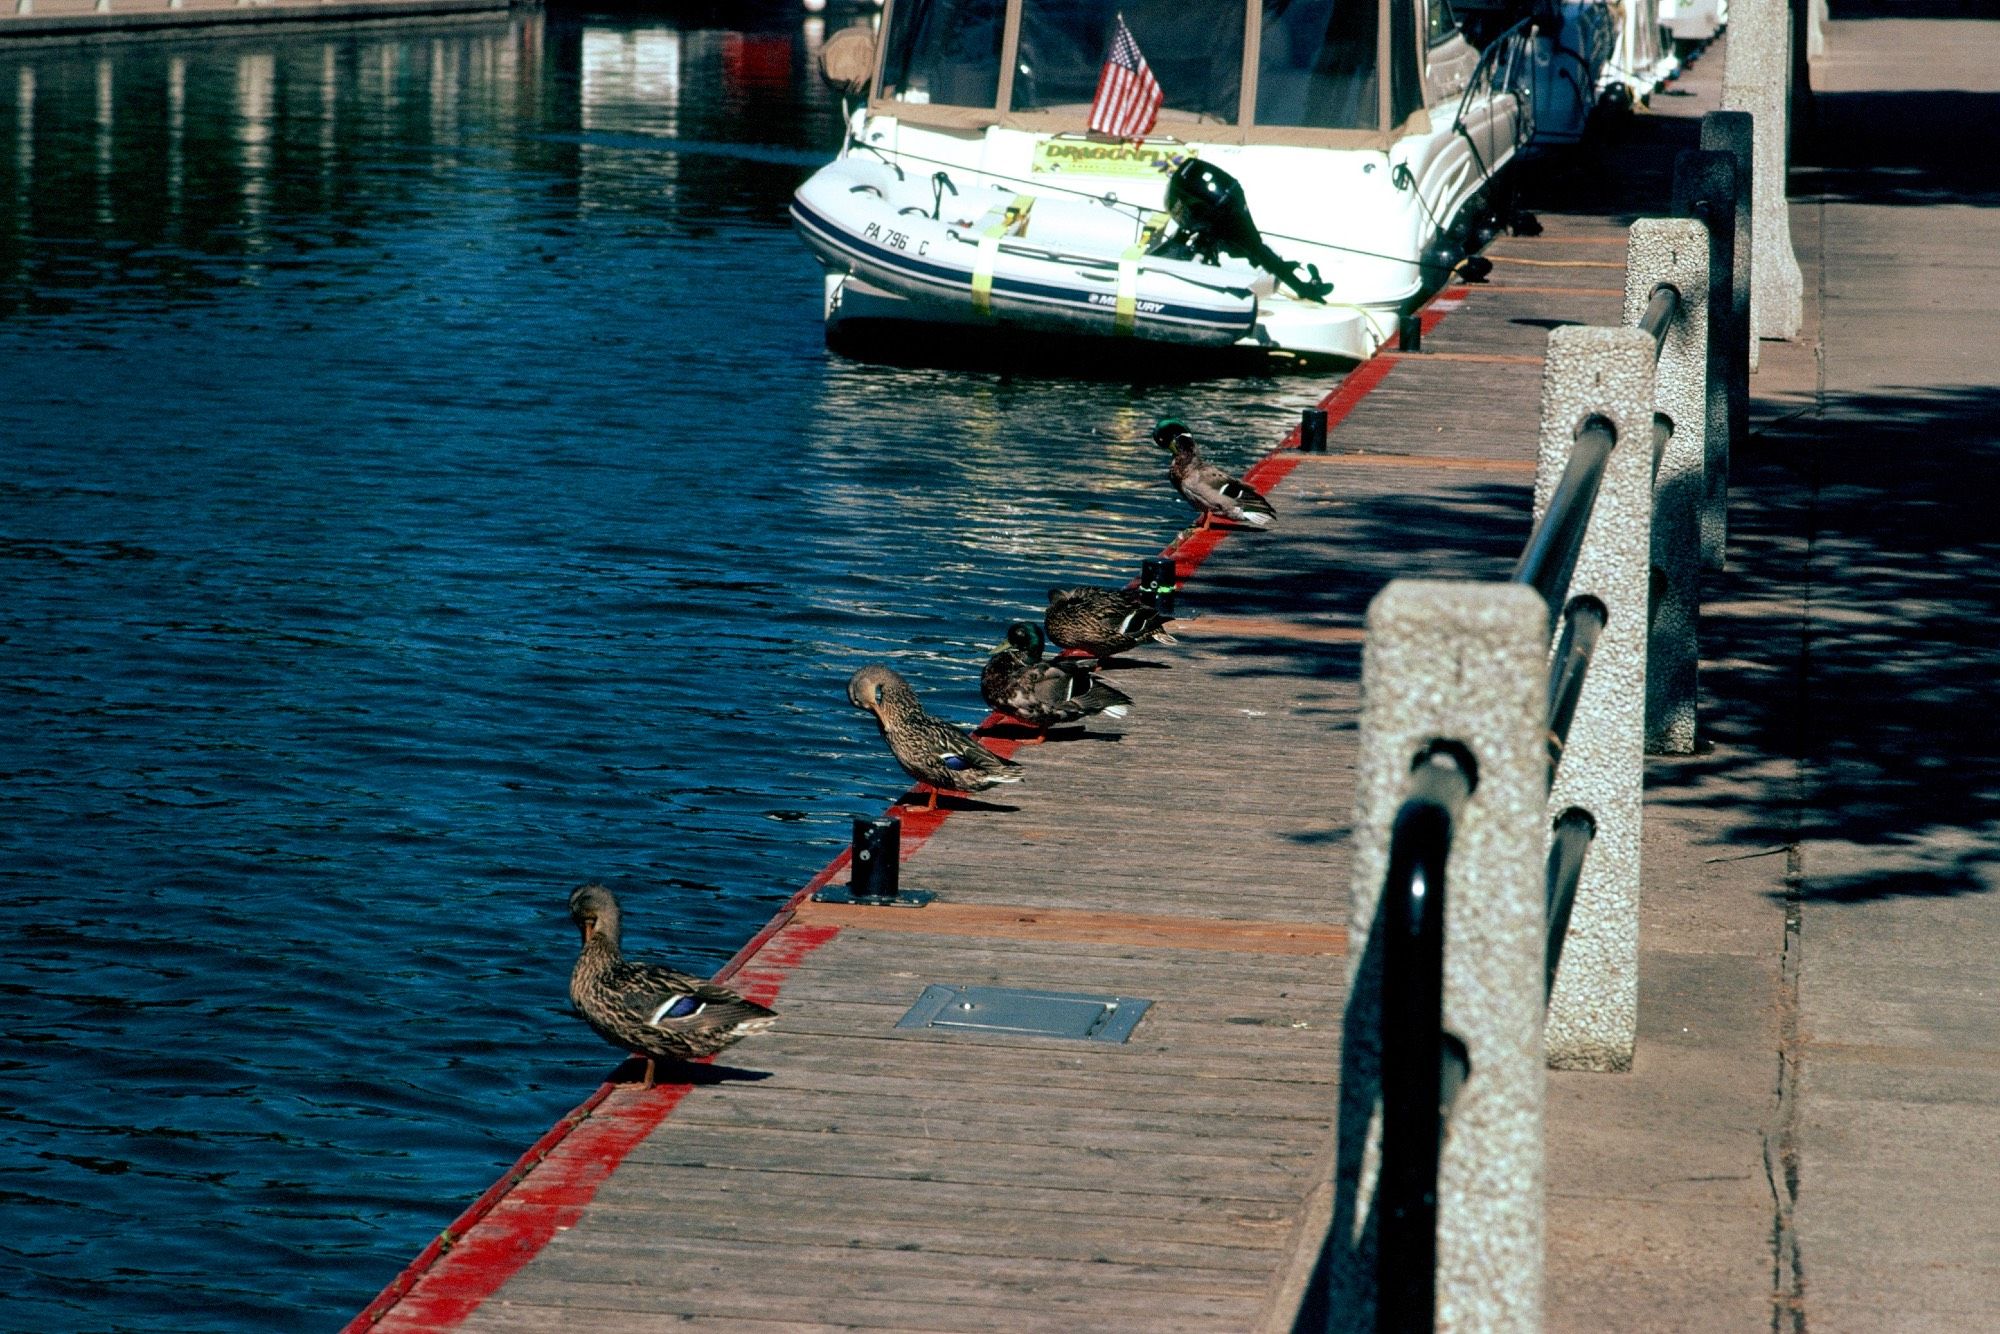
875	864
1312	431
877	858
1159	580
1410	333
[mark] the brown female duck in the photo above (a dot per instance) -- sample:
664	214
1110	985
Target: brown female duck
931	750
1207	487
659	1013
1017	682
1103	621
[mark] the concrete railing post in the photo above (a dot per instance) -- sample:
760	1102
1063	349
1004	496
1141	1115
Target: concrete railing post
1594	1012
1705	190
1464	662
1674	252
1757	81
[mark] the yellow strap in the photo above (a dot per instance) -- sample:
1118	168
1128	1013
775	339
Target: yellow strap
982	272
1010	220
1128	291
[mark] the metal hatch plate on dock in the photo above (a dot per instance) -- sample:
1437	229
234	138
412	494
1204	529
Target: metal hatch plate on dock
1074	1015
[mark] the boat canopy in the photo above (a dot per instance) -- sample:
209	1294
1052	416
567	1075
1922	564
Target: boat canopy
1307	72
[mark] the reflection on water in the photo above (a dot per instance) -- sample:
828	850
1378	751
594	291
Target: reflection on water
426	488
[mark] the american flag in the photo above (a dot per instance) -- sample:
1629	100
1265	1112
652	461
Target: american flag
1128	96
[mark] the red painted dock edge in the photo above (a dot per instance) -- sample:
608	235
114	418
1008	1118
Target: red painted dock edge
549	1186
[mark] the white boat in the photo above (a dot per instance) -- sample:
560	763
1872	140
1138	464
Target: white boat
1590	53
1644	57
1316	166
1570	56
1693	21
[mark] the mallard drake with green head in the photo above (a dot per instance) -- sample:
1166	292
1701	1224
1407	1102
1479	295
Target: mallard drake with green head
1207	487
1103	621
1017	682
931	750
659	1013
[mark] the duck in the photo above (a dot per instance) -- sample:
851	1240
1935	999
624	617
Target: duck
1103	621
649	1010
1017	682
934	752
1207	487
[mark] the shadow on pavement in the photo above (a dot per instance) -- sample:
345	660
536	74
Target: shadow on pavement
1888	501
1915	149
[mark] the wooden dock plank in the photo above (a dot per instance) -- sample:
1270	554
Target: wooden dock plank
895	1261
1140	1090
902	953
985	1229
562	1307
1055	1098
1241	1222
962	919
816	1109
1236	983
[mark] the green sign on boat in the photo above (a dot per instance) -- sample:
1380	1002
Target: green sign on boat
1086	157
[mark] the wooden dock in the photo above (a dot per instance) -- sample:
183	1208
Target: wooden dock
886	1178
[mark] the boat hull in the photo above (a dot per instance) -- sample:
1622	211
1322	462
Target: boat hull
874	236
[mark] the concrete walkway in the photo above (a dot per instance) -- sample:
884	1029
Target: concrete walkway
1808	1140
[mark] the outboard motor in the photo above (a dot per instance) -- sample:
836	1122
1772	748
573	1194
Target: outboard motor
1210	214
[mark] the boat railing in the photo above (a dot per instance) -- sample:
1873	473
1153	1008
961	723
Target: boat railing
1505	65
1503	740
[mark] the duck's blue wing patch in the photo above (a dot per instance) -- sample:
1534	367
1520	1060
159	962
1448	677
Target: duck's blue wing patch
955	762
680	1007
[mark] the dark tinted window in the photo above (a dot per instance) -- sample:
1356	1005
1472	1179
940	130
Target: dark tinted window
1406	77
1316	65
944	51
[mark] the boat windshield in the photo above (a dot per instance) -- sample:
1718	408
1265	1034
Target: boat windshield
1194	48
1318	72
945	52
1316	64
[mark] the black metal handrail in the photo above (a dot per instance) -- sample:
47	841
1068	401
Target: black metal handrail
1549	559
1422	1067
1547	564
1568	845
1662	309
1583	623
1663	435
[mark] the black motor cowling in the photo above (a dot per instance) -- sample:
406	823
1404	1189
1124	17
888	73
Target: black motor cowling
1210	214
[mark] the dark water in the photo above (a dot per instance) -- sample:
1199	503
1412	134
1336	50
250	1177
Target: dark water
423	487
